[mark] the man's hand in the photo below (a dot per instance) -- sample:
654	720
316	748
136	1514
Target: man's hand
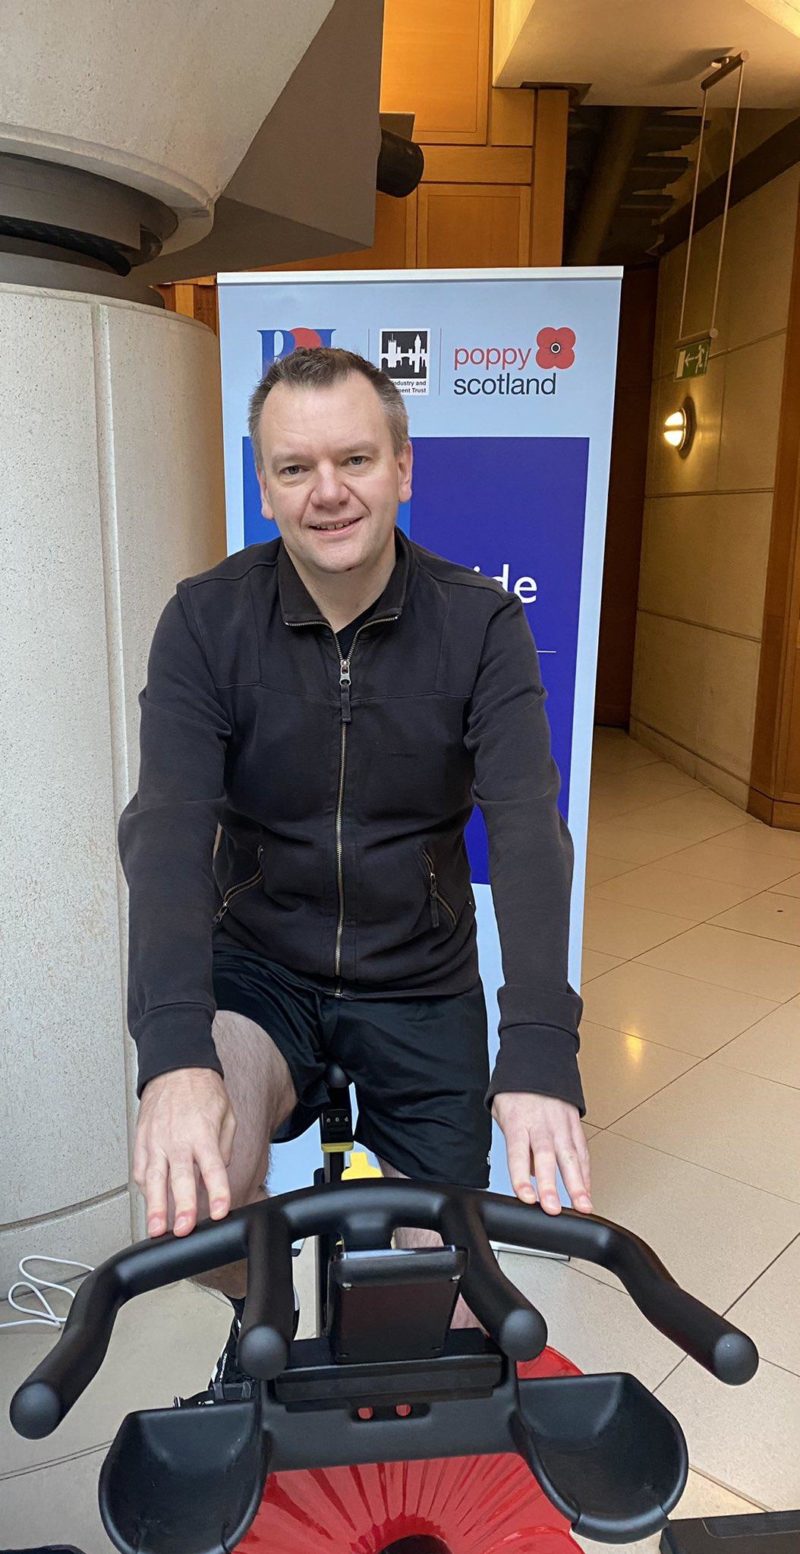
184	1133
542	1133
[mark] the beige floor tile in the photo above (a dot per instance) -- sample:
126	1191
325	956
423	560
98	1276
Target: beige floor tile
694	817
619	1071
718	861
55	1504
657	886
595	1326
593	964
618	839
768	1311
658	779
701	1497
770	1048
163	1343
619	753
606	806
671	1204
737	960
769	915
665	1007
642	788
745	1437
599	869
764	841
617	929
790	887
734	1123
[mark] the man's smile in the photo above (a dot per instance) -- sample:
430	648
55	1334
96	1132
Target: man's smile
337	526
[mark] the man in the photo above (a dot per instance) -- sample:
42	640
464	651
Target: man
335	702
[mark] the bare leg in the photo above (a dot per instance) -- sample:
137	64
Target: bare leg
262	1095
411	1238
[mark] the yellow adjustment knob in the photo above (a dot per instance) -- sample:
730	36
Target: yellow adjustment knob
359	1166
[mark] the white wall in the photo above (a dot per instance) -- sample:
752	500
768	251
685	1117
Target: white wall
707	517
111	473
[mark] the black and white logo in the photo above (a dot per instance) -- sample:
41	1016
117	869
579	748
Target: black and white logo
404	358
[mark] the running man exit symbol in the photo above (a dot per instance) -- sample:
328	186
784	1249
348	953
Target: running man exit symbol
691	361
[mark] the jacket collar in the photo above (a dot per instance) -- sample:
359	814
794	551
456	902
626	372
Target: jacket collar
299	609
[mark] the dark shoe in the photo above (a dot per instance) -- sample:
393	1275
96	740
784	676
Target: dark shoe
229	1383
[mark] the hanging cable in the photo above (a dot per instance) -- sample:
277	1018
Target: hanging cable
31	1284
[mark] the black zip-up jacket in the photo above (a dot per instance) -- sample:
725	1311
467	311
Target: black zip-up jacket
342	791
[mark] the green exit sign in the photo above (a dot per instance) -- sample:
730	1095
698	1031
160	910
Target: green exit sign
691	361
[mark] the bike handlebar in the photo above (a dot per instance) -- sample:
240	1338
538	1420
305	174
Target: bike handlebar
366	1214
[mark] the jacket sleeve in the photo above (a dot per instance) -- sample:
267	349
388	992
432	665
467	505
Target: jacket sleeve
530	864
166	843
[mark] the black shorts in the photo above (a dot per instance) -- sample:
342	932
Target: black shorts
420	1066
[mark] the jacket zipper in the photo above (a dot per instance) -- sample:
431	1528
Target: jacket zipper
345	684
436	900
236	890
344	693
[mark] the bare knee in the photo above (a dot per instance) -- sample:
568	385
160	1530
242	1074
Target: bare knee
262	1096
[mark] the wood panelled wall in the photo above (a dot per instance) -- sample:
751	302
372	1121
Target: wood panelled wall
775	772
493	188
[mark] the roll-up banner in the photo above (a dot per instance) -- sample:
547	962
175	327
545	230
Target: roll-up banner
508	378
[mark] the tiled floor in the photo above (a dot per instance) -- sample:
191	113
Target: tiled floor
691	1062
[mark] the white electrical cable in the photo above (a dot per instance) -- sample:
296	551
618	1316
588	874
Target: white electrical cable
31	1284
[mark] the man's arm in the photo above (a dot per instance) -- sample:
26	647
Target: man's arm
535	1090
166	843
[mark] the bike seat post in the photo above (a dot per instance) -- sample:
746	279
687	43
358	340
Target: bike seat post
336	1138
336	1123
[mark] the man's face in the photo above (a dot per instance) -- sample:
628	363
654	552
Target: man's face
331	479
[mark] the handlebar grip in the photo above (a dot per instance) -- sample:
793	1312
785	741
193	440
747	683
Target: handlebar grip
508	1316
40	1404
269	1307
710	1339
44	1398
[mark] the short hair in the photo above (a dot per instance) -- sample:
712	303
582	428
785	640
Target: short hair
319	367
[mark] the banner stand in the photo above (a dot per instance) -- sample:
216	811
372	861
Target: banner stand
508	377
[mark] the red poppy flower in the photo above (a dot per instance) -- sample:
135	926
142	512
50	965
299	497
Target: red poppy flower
556	347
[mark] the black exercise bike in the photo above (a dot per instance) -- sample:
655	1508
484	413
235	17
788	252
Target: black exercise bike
190	1480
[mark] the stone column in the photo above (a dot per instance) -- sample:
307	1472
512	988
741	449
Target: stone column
122	126
112	489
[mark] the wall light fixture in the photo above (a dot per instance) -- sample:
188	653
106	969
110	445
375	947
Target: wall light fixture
679	428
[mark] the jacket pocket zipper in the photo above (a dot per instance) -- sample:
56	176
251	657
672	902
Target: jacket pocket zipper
237	890
435	897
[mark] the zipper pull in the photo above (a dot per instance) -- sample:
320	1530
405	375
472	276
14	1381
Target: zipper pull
434	901
344	687
219	915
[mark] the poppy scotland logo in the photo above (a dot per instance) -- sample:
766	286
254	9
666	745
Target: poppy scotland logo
556	348
277	343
